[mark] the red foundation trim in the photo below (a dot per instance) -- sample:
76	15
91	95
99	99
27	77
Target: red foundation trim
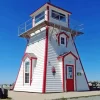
81	63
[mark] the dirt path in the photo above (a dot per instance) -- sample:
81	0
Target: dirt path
49	96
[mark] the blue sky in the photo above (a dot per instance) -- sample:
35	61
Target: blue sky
15	12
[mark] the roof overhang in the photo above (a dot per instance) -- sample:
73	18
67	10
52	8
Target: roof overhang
29	55
66	54
49	4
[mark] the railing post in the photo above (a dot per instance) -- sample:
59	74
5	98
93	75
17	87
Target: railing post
25	26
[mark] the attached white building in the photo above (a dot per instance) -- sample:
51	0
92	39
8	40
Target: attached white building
51	62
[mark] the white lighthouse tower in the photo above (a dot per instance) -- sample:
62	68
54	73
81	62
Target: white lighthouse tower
51	62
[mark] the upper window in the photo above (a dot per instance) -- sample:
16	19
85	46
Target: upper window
58	16
39	17
62	40
27	72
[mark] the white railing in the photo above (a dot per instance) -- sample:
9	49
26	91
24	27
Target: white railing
75	25
25	26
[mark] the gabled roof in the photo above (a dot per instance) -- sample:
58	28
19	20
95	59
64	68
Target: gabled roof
30	56
52	6
66	54
62	33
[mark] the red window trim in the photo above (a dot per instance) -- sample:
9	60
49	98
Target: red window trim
59	40
31	59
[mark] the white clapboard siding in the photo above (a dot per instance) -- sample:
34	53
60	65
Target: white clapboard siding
81	80
53	83
36	46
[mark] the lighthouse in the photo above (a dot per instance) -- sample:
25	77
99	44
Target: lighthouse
51	62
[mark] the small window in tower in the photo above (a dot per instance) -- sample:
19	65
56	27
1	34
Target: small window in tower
27	72
58	16
39	17
62	40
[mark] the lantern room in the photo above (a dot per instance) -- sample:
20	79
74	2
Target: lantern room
48	14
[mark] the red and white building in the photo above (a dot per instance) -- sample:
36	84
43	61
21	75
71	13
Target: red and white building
51	62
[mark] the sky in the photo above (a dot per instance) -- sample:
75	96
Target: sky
15	12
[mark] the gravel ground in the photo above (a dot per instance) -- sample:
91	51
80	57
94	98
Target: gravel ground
50	96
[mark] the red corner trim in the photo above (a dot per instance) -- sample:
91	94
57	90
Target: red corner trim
81	63
45	61
45	55
19	68
63	82
31	72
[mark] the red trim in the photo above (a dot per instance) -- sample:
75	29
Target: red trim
63	82
31	72
58	35
66	54
75	76
26	55
45	61
19	69
52	6
46	55
59	8
81	63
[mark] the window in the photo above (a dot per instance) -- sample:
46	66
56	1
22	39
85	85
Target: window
27	72
39	17
62	40
58	16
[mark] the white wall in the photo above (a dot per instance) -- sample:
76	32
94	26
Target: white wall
36	46
53	52
81	80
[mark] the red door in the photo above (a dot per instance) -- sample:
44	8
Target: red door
69	78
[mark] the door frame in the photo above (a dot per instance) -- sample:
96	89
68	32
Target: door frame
73	75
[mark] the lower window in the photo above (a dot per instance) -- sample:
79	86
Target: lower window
27	72
26	77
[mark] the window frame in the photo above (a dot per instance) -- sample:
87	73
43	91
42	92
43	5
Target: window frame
59	14
62	42
39	17
26	72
